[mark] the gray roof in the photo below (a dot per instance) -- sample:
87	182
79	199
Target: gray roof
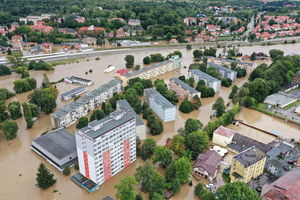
230	61
60	143
100	127
125	106
72	78
204	75
85	99
135	73
158	98
240	143
108	198
250	156
74	91
280	98
220	67
283	147
184	85
67	30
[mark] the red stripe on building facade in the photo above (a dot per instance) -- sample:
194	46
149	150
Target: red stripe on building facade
86	165
126	152
106	165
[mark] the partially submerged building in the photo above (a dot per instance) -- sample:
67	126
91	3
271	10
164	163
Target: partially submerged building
154	70
183	90
78	80
73	93
164	109
210	81
58	147
280	99
224	71
81	107
123	105
223	136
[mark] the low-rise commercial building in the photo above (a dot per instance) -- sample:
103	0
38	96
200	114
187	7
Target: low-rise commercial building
280	99
210	81
247	165
207	164
78	80
154	70
123	105
224	71
164	109
286	187
73	93
58	147
81	107
107	146
183	90
223	136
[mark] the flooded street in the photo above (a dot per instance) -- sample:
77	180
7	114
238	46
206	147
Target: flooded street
18	163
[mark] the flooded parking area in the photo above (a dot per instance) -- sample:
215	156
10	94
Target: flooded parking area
19	163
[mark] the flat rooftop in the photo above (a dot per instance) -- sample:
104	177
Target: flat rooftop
158	98
250	156
125	106
280	98
184	85
74	91
204	75
220	67
60	143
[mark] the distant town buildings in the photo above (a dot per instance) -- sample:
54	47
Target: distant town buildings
78	80
35	19
134	22
247	165
82	106
73	93
154	70
249	67
207	164
224	71
164	109
183	90
123	105
107	146
210	81
58	147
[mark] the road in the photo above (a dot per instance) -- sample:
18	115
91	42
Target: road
250	26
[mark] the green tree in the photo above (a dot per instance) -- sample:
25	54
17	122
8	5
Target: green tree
10	129
234	92
66	171
139	196
157	196
97	115
131	96
259	89
44	177
275	53
5	94
24	85
253	56
82	122
177	145
129	61
155	125
162	155
196	142
188	46
202	193
126	188
4	70
45	99
226	82
179	169
16	59
213	72
192	125
147	148
14	108
149	179
3	113
197	53
236	190
139	87
186	106
197	102
219	106
147	60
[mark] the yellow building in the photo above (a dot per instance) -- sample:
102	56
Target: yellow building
247	165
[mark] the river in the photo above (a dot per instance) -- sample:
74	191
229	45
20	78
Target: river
19	163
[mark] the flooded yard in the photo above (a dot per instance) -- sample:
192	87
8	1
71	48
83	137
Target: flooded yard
19	163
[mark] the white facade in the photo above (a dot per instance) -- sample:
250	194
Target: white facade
210	81
107	146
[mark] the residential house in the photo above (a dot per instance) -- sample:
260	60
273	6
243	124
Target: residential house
58	147
190	21
164	109
247	165
286	187
183	90
35	19
154	70
223	136
134	22
210	81
91	30
207	164
41	28
224	71
81	107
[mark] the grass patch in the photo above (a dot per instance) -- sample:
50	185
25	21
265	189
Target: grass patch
291	105
63	62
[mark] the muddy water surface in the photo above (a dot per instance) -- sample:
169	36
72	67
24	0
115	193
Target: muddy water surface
18	163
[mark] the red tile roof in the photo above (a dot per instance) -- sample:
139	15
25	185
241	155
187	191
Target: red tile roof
226	132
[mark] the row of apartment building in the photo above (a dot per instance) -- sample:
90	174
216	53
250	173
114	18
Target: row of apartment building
81	107
224	71
210	81
183	90
221	61
154	70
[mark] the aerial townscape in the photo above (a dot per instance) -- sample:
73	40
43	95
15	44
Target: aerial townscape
150	100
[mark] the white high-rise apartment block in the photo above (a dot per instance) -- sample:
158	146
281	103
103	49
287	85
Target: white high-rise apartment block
107	146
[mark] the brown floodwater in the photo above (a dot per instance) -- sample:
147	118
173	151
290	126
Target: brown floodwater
18	163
